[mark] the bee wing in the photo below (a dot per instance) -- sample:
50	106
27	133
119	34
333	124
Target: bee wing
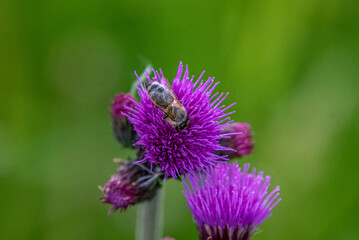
166	83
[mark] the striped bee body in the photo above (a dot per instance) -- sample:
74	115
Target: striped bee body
164	98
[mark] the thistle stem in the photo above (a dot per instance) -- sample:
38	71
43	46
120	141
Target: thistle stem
133	90
149	220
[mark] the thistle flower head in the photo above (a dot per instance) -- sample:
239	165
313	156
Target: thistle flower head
122	127
229	203
130	185
189	150
241	142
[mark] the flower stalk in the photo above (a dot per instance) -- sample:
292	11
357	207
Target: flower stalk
142	79
149	220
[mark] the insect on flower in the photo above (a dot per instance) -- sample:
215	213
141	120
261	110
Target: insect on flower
187	151
164	98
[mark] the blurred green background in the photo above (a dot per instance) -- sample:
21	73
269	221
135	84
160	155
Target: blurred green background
292	66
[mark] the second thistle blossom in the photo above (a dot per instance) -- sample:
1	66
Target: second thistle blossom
189	150
229	203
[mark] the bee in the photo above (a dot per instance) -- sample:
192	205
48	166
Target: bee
164	98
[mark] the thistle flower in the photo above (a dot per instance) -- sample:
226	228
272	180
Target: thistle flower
122	127
189	150
241	142
130	185
228	204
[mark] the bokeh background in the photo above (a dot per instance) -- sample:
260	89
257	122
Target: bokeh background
292	66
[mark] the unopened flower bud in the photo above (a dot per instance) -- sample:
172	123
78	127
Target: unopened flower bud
122	127
133	183
241	141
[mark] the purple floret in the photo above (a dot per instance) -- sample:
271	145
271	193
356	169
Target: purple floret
190	150
229	203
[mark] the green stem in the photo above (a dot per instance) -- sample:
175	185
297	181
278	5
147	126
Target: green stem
149	222
133	90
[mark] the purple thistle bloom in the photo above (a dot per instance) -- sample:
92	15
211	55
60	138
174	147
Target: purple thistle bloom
130	185
122	127
189	150
228	204
242	142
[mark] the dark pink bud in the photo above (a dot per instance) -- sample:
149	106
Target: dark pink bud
241	141
119	103
133	183
122	127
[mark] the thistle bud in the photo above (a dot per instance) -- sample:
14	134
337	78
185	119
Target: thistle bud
122	128
132	184
241	141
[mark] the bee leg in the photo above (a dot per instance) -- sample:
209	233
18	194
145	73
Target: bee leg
164	117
